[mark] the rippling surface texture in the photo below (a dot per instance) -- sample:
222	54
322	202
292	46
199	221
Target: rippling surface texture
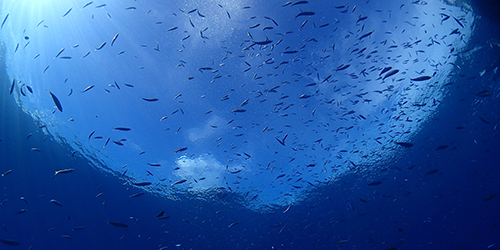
313	117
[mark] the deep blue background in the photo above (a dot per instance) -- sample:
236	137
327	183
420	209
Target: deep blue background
409	210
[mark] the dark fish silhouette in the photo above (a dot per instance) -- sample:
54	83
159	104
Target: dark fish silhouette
405	144
180	149
432	171
67	12
87	4
4	20
118	224
391	73
12	86
114	39
305	13
150	99
10	242
142	184
122	128
178	182
421	78
56	101
484	93
366	35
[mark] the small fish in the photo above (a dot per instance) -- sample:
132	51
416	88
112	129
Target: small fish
287	209
290	51
489	197
118	224
142	184
420	78
305	13
342	67
254	26
299	2
484	120
59	53
56	202
375	183
86	54
154	164
484	93
63	171
137	194
12	86
4	20
7	172
163	217
114	39
56	101
180	149
150	99
361	18
275	23
106	143
91	133
282	141
204	68
22	211
459	23
391	73
365	35
267	41
87	4
245	102
10	242
432	171
441	147
238	110
101	46
67	12
178	182
405	144
160	214
88	88
131	8
233	224
122	128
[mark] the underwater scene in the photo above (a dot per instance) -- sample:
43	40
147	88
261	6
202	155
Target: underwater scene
152	124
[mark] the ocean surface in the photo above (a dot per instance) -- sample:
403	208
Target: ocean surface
249	124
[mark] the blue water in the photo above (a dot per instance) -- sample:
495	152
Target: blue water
341	181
